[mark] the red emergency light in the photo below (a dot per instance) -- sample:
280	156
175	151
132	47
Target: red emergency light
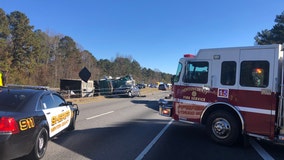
166	112
188	55
258	70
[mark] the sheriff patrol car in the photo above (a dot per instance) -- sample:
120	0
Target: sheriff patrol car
29	117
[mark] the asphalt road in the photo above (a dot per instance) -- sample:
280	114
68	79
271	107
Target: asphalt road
131	128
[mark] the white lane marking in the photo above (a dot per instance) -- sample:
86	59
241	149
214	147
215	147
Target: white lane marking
99	115
260	150
150	145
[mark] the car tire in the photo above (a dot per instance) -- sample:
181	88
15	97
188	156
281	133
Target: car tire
72	123
223	127
40	145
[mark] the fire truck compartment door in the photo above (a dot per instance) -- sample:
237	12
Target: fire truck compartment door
265	55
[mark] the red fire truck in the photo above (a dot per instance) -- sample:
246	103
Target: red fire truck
234	92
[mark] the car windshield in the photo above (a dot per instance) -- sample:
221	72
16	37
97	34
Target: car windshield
13	100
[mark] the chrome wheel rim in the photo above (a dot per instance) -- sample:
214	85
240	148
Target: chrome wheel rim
221	128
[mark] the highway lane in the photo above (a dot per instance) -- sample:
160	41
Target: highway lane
117	128
189	142
130	128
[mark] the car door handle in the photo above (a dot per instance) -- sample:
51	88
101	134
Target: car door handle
48	113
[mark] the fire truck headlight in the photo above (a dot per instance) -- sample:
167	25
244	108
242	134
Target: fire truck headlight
166	111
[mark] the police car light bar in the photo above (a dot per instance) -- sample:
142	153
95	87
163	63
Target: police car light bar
27	86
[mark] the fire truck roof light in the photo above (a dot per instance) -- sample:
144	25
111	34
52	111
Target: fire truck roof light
216	57
188	55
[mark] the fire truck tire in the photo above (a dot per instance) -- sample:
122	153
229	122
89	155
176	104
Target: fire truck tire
223	127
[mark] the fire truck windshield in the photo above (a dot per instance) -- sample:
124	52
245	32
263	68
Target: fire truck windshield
177	76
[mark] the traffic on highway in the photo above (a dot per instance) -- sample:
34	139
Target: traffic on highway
123	128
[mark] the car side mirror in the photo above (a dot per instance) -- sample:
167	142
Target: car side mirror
69	103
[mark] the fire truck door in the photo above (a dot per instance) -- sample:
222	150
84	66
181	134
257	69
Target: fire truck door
255	94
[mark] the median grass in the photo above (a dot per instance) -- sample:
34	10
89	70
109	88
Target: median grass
84	100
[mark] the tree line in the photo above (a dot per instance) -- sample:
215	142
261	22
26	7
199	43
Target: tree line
34	57
275	35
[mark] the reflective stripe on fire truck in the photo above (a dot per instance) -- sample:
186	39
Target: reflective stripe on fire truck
256	110
240	108
191	102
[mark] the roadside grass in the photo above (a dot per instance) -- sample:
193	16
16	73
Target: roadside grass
144	92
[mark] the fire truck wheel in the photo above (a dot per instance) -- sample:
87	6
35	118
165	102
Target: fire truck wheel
223	127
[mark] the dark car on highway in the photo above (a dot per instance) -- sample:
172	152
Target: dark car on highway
141	86
162	87
29	117
127	90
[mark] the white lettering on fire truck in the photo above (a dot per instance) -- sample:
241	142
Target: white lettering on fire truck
194	98
266	92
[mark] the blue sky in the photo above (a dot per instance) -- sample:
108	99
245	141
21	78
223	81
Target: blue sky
156	33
